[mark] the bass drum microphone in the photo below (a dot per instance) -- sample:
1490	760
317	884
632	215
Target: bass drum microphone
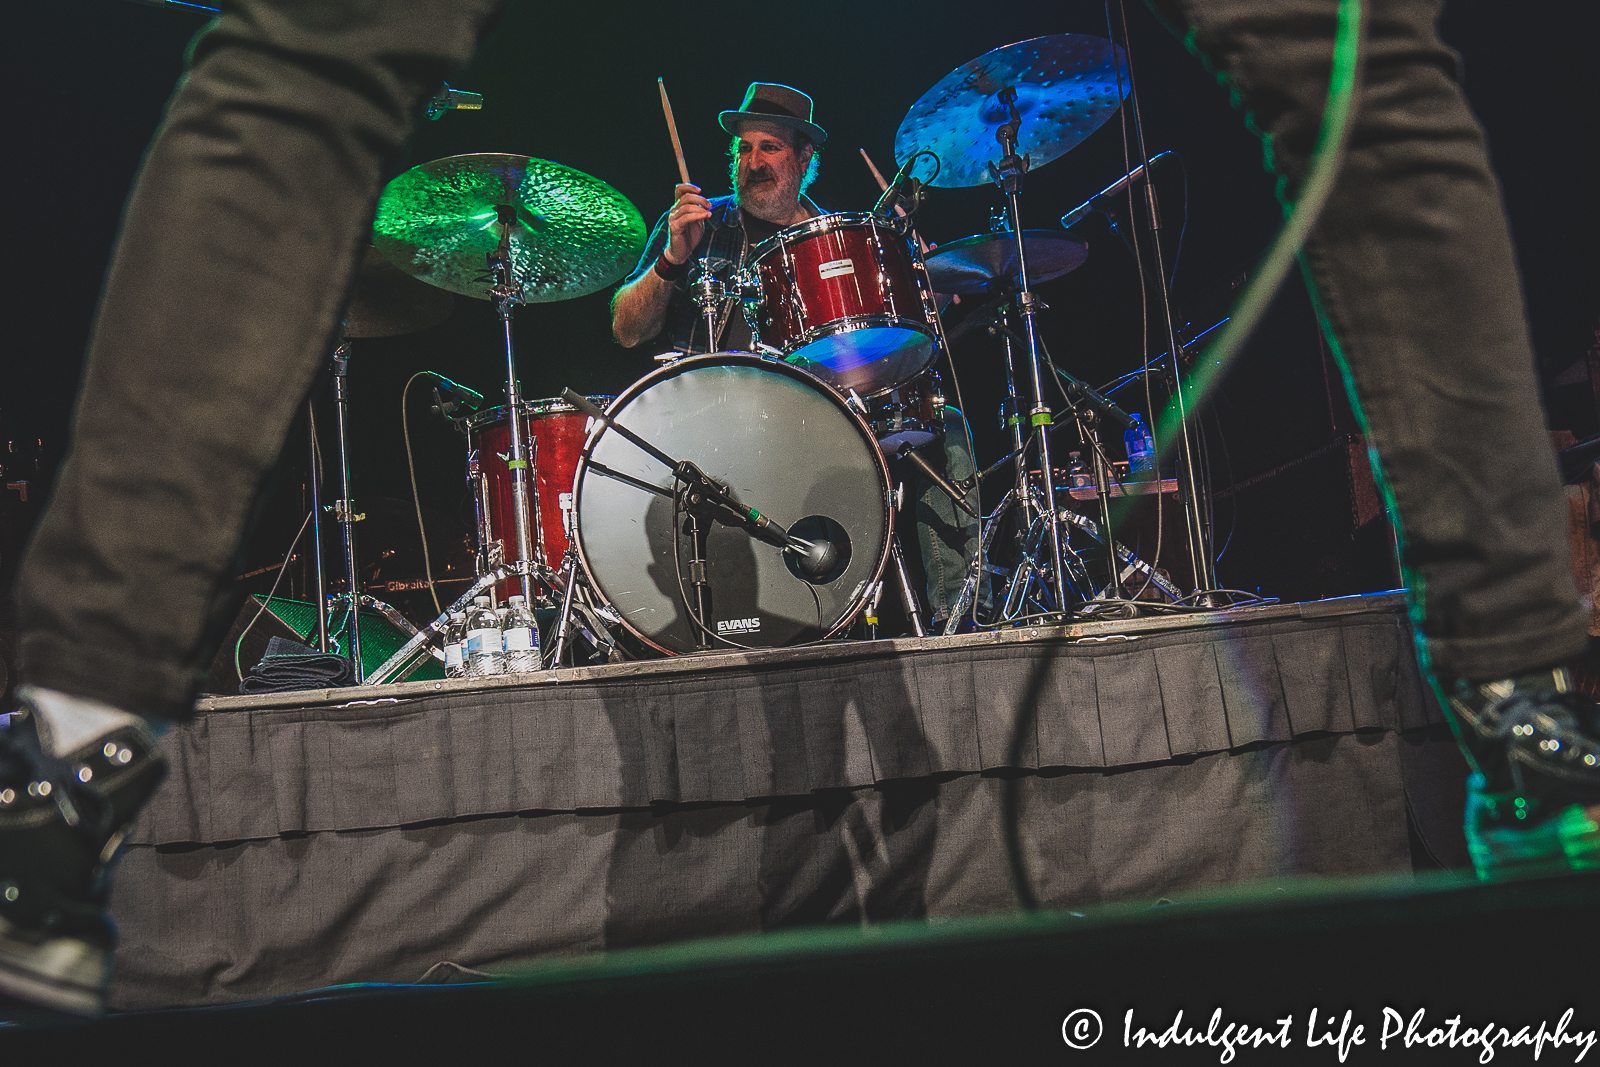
818	551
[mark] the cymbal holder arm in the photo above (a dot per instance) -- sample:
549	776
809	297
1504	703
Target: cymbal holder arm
505	296
708	295
344	507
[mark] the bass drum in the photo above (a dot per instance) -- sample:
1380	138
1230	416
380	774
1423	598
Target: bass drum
784	444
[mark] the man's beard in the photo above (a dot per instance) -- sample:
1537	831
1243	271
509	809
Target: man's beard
774	200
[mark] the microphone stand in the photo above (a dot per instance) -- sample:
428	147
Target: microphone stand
344	507
1205	572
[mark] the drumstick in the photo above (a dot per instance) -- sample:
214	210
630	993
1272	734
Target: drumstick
882	185
922	245
672	128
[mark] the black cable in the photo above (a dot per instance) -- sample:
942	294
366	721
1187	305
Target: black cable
1233	500
416	498
1183	231
679	510
238	669
1324	169
1132	96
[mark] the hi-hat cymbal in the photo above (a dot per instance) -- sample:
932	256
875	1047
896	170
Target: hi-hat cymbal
987	262
1066	88
572	235
388	302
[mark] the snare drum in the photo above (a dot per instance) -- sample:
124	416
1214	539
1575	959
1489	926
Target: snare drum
553	432
846	299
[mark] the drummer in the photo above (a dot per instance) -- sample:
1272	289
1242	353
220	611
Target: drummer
775	151
776	148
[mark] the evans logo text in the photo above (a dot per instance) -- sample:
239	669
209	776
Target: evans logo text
738	626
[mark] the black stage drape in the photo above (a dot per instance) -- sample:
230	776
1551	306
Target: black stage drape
297	847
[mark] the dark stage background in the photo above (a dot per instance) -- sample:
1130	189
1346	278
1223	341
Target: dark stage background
575	83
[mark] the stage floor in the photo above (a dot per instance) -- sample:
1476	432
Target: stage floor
1390	954
1080	633
369	834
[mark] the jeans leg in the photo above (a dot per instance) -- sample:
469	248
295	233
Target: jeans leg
948	536
236	253
1412	269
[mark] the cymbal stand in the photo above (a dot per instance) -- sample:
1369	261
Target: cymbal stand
576	613
1007	175
1011	408
344	508
969	588
314	480
506	295
908	596
571	564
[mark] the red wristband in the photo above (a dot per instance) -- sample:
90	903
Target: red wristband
669	271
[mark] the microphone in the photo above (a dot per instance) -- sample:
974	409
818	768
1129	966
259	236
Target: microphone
892	190
938	479
1090	206
470	399
448	99
815	560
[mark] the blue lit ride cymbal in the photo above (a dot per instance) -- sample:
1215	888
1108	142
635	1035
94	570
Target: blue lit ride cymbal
1066	86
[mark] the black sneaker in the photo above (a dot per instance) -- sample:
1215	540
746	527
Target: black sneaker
1534	796
61	823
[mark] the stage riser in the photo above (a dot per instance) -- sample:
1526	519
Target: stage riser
300	847
269	917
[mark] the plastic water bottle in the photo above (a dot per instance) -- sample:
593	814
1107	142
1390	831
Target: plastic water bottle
1141	449
520	635
455	645
485	653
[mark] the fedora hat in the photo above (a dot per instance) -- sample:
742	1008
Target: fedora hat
774	103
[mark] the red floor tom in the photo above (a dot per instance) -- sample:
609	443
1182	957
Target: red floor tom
554	432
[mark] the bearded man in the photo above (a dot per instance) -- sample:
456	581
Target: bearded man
775	152
774	160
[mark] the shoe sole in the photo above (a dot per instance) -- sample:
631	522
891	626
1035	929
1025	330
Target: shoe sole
1563	844
63	973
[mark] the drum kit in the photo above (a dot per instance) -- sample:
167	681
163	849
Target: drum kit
744	499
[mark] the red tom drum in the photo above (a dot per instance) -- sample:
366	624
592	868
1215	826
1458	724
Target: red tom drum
847	299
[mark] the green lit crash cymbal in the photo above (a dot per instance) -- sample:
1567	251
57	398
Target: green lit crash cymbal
572	234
